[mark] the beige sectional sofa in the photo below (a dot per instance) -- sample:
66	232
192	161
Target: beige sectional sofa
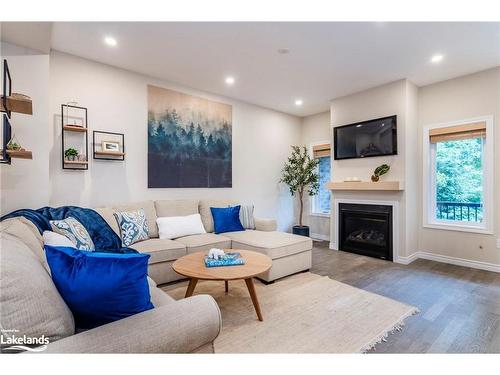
31	305
290	253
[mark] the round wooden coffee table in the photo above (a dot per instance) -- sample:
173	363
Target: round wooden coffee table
193	266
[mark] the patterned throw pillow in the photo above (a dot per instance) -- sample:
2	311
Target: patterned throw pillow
75	231
133	226
246	217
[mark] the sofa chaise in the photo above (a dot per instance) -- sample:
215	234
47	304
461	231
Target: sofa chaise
290	253
31	305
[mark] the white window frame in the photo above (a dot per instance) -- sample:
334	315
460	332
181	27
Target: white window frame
312	200
429	181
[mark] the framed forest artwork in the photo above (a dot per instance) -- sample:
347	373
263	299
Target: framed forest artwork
189	141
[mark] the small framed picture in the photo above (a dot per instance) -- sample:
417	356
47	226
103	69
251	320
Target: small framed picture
110	146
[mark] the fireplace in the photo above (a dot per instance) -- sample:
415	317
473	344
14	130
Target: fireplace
366	229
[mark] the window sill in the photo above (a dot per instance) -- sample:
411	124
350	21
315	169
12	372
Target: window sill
317	214
458	228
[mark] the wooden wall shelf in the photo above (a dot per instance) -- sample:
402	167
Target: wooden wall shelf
365	185
18	105
21	154
109	153
76	162
72	128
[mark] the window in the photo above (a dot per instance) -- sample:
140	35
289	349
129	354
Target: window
321	202
457	173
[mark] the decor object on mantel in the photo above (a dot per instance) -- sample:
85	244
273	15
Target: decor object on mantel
108	145
12	102
301	175
74	121
379	171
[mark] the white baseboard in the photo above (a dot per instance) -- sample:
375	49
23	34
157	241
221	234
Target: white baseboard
460	261
322	237
333	246
406	260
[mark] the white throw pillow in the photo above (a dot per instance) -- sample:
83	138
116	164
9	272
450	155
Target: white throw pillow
55	239
179	226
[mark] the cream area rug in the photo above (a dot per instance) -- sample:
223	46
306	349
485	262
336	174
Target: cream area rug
304	313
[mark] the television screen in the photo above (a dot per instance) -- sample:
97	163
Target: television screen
366	139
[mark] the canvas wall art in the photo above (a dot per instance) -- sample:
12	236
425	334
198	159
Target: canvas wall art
189	141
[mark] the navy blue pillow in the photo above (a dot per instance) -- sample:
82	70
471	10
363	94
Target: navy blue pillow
226	219
100	288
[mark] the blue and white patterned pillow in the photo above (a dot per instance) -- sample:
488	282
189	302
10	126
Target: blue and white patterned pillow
133	226
75	231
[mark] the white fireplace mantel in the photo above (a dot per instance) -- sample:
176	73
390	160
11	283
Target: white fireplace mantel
365	185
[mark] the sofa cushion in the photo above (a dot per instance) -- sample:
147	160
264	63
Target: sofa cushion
134	226
149	210
75	231
206	214
158	297
160	250
108	214
29	300
100	288
204	242
180	207
24	230
273	244
172	227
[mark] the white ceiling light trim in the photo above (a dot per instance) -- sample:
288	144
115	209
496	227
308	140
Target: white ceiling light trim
437	58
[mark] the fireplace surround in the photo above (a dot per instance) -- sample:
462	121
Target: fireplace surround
366	229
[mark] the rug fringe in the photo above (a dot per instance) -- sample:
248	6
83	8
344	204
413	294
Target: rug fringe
395	328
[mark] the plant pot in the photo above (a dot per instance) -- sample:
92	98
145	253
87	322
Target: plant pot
375	178
301	230
70	158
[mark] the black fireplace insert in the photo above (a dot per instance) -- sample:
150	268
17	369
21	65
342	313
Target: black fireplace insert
366	229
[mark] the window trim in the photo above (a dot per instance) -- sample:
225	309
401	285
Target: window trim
312	199
428	173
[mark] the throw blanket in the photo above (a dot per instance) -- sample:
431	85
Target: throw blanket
104	238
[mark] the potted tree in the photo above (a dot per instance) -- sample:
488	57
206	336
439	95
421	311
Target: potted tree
300	173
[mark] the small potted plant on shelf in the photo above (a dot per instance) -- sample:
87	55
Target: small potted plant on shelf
70	154
379	171
300	173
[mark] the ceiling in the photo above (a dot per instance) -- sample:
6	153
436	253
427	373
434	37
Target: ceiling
325	60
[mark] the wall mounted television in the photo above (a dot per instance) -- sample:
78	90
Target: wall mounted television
365	139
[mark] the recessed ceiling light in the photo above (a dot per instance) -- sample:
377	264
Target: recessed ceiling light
436	58
298	102
229	80
358	126
283	51
110	41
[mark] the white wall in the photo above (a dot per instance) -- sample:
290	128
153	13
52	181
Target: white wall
25	183
396	98
316	129
456	99
117	101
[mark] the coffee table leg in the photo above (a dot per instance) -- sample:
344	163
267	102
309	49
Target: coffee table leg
253	296
191	286
226	284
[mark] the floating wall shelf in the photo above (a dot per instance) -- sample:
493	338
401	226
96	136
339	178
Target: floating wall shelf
79	165
101	139
365	185
21	154
16	104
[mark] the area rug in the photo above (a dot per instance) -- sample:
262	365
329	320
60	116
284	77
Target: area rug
304	313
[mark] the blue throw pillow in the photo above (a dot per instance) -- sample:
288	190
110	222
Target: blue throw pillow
226	219
100	288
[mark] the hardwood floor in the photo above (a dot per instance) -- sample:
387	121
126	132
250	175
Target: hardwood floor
459	306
